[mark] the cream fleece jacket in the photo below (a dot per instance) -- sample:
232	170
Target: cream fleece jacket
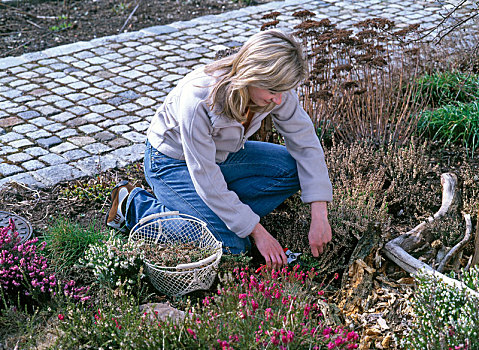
185	128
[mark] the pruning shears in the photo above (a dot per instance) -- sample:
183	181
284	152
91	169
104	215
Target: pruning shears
291	257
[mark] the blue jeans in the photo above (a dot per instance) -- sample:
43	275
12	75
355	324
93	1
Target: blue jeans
262	174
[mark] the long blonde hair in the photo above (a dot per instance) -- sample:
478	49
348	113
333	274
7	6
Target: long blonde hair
271	60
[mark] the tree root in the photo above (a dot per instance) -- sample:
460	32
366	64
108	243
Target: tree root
397	249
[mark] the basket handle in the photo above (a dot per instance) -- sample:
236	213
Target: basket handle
197	263
157	215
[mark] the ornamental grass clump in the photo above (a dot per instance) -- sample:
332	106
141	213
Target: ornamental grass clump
114	261
446	317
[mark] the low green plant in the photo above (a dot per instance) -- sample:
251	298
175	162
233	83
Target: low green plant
446	317
453	124
443	88
66	241
114	261
65	24
121	7
271	310
95	189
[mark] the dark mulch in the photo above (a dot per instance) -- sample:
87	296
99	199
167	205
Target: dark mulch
35	25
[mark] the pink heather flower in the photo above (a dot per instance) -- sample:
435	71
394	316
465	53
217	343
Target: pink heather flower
353	346
352	335
61	317
192	333
254	305
336	276
331	345
321	292
242	296
339	341
274	340
307	309
327	331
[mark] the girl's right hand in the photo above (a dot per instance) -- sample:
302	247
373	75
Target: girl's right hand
269	247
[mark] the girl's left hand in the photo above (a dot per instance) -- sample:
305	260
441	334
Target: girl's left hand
320	230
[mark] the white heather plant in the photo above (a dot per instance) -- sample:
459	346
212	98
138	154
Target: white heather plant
446	317
114	261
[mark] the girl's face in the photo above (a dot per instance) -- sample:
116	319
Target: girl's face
263	97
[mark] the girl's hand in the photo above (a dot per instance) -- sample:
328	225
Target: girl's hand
269	247
320	230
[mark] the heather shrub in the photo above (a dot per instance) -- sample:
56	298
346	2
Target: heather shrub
446	317
274	310
24	274
114	261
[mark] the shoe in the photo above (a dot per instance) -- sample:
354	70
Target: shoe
115	218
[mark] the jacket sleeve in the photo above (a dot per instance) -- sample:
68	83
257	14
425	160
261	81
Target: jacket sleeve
199	150
303	144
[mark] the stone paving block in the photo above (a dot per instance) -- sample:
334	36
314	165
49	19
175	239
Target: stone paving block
63	104
89	128
104	136
33	165
78	110
115	114
7	150
36	151
63	147
21	143
47	110
81	140
91	101
41	121
10	136
24	178
48	141
119	129
55	127
94	165
65	133
135	137
39	134
53	175
97	148
75	154
102	108
118	143
19	157
11	121
9	169
52	159
63	117
127	120
129	154
129	107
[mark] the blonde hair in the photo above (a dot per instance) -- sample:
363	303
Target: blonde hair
271	60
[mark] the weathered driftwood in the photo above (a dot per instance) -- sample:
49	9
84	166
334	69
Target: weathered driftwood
475	258
458	247
396	250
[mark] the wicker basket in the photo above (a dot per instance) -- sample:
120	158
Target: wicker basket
167	230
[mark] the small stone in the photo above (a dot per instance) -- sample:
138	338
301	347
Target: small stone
49	141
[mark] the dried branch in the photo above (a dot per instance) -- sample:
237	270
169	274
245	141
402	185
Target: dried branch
394	249
131	15
458	247
475	259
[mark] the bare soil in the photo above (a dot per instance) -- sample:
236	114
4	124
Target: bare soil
35	25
